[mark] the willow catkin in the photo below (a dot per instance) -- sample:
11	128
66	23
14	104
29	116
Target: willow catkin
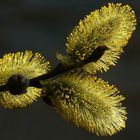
88	102
109	27
24	63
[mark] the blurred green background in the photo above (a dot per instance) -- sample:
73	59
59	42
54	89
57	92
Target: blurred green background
42	26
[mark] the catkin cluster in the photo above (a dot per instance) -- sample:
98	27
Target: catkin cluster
73	88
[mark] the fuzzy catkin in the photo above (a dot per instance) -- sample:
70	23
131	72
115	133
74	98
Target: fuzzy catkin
88	102
25	63
111	26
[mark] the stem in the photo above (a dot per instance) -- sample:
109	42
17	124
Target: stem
59	69
3	88
35	82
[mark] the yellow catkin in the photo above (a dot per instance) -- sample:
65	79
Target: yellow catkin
111	26
25	63
88	102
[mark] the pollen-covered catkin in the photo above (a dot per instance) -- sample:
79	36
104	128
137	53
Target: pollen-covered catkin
88	102
111	26
24	63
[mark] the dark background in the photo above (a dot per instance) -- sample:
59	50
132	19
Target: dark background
42	26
